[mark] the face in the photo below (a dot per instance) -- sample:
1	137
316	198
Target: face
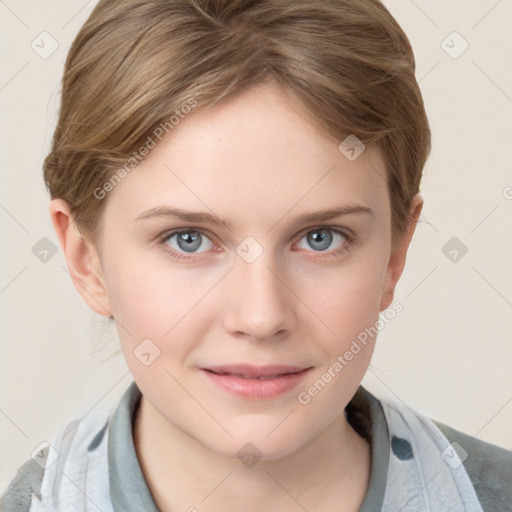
260	286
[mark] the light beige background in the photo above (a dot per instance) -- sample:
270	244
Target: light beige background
448	353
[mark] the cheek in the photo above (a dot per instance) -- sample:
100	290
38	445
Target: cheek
151	300
348	307
148	292
346	299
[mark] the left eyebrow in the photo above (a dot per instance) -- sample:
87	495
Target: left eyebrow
331	213
208	218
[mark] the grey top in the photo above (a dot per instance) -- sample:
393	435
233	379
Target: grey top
488	466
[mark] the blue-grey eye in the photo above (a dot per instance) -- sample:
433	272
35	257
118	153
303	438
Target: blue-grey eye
321	239
188	241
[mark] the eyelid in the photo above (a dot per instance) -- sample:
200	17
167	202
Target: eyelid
189	229
346	231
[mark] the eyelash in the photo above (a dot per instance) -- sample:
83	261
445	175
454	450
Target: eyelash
349	243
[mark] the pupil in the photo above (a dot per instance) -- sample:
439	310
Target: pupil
322	238
186	241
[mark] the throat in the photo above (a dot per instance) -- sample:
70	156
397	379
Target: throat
329	472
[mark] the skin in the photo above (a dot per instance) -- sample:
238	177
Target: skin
256	161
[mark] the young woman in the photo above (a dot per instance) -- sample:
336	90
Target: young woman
236	184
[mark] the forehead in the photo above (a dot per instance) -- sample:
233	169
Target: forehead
255	154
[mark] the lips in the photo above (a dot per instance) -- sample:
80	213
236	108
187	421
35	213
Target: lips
247	371
256	382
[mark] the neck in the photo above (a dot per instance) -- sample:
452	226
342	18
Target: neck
329	472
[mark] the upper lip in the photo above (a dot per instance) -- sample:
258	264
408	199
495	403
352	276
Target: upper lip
248	370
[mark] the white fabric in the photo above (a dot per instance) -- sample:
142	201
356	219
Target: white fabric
78	480
426	482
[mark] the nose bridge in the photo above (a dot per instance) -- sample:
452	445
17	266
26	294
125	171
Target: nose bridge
260	305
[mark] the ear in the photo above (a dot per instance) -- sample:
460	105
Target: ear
397	259
82	259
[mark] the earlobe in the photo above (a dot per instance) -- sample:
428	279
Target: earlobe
397	258
82	259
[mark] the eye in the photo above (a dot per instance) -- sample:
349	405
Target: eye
322	238
186	240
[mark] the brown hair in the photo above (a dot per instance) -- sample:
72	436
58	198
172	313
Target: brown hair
134	63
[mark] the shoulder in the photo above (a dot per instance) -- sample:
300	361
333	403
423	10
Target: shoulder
27	482
72	446
488	466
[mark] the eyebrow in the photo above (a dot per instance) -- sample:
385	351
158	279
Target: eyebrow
208	218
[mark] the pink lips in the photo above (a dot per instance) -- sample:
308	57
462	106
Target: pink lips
256	382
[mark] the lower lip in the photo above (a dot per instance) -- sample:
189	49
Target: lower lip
257	389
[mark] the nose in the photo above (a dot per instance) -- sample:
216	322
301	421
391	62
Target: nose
261	304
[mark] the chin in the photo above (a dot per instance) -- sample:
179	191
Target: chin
255	443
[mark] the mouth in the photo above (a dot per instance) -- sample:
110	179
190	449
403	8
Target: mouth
255	382
247	371
261	377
